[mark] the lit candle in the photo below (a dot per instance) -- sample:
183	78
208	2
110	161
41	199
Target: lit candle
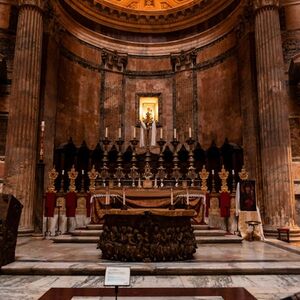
63	172
134	132
43	126
187	197
161	133
106	132
106	197
213	172
232	172
175	134
124	199
82	172
172	197
190	132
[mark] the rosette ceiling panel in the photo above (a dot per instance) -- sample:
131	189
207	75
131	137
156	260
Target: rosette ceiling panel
150	16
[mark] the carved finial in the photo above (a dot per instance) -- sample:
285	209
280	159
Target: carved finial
92	176
72	176
223	176
204	176
243	174
52	176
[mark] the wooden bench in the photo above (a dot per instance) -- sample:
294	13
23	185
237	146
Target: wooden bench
284	231
10	213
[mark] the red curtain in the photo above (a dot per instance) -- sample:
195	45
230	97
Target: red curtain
225	204
71	204
207	205
50	203
88	205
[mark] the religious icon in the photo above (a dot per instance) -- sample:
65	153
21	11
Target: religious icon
247	196
148	109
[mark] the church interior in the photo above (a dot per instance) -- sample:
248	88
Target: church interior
156	141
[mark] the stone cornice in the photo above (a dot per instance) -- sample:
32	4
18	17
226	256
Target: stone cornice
259	4
289	2
149	21
151	48
34	3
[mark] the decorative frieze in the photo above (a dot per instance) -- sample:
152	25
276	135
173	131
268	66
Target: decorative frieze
113	60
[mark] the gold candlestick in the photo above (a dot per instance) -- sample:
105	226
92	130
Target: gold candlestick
223	176
204	176
93	174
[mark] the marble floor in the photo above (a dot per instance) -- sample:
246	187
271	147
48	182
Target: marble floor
34	254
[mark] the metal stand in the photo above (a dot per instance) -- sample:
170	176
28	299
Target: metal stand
116	291
58	232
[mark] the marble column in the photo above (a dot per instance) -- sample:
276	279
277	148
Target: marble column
278	189
22	135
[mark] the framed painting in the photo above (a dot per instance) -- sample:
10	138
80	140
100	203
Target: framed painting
247	195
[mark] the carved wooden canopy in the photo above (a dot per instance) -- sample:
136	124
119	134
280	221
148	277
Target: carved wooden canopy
150	16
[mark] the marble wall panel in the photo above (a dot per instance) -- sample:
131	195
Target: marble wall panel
83	50
184	103
112	103
140	86
216	48
78	104
219	105
149	64
4	15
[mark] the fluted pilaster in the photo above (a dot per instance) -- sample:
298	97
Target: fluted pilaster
273	115
21	148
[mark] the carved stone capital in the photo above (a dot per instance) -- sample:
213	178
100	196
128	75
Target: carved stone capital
114	60
259	4
35	3
183	60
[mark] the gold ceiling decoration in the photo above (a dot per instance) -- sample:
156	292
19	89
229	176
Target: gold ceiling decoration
152	16
147	5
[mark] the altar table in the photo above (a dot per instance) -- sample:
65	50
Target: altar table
147	198
147	235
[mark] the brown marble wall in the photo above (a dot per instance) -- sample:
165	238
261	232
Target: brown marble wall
184	113
206	99
112	104
219	107
77	104
142	86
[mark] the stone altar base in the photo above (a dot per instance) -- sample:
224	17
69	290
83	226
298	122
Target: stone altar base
147	238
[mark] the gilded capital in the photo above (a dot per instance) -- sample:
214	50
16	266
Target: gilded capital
258	4
37	3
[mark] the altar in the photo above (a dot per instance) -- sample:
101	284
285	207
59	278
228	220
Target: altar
147	224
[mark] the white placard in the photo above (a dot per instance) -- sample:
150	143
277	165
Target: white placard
117	276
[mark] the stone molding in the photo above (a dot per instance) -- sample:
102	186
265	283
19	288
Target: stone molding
114	60
202	14
260	4
34	3
183	60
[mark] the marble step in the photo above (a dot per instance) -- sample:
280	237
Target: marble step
100	226
210	232
162	268
86	232
75	239
94	226
218	239
199	239
201	227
